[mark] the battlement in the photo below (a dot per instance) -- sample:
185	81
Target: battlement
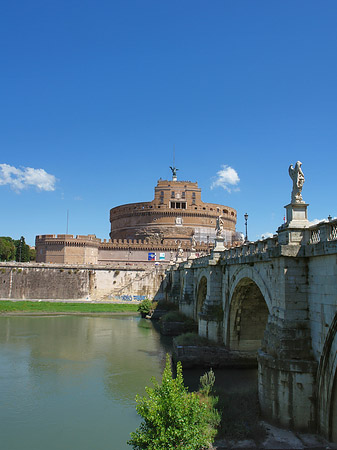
173	183
90	239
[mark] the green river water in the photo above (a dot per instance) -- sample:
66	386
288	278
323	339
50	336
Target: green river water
69	382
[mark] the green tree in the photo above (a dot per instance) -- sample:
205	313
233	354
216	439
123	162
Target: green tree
7	249
173	417
32	254
22	250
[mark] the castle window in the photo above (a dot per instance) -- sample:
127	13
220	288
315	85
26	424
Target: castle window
225	211
193	198
178	205
183	194
172	194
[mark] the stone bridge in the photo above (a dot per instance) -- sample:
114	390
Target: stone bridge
276	298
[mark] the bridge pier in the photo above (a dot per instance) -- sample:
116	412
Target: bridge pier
175	286
286	390
210	312
286	365
186	302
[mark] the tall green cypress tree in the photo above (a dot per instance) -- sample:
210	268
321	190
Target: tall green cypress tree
22	250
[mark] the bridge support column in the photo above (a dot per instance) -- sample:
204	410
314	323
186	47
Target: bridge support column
186	303
287	374
175	287
287	369
286	391
211	314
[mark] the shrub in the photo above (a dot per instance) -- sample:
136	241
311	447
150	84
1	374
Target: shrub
166	305
207	382
194	339
173	316
176	316
145	306
173	418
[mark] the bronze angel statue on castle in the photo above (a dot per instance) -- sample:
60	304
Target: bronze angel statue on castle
297	176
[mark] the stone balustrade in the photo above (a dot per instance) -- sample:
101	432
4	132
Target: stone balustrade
322	232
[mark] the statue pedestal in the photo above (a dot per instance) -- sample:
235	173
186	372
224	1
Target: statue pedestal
192	256
297	214
219	245
292	232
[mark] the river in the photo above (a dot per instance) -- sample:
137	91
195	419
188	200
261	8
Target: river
69	382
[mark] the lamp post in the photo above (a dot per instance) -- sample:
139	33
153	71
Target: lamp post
246	220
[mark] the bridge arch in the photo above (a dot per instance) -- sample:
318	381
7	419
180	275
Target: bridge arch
249	309
327	384
251	273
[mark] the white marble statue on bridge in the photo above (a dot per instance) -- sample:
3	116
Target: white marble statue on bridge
219	227
297	176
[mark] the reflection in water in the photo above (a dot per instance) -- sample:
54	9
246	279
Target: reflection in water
69	382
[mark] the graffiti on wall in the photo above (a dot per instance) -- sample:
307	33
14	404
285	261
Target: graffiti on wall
129	298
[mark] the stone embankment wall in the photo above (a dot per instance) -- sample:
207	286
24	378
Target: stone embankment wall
24	281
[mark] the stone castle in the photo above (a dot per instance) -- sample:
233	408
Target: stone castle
175	221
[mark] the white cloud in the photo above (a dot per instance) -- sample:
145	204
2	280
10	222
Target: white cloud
316	221
226	178
266	235
25	177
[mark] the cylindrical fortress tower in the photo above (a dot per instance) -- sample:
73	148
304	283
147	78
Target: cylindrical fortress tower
176	213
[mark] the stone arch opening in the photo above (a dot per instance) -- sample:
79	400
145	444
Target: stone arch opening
201	294
333	412
248	317
327	384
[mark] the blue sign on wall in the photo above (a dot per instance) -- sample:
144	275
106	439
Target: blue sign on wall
151	256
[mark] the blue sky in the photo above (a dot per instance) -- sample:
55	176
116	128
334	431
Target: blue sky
95	94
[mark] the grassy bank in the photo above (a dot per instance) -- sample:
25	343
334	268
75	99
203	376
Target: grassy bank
54	307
